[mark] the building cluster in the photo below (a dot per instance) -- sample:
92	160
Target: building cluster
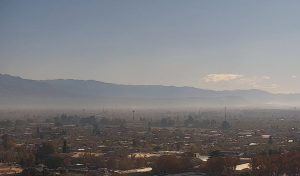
74	145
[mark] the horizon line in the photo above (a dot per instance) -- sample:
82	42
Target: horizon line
224	90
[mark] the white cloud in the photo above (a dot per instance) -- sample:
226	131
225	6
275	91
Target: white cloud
265	77
261	82
221	77
294	76
238	81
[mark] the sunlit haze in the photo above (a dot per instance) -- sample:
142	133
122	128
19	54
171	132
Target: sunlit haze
149	87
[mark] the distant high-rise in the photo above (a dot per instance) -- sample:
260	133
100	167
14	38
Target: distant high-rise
133	111
225	113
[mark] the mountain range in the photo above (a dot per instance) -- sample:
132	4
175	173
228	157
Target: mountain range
69	93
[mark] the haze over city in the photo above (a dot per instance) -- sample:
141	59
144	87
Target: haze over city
149	88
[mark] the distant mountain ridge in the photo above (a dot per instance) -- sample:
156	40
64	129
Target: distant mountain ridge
16	91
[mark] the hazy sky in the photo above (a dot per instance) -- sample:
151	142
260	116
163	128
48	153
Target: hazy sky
208	44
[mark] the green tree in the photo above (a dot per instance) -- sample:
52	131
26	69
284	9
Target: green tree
54	161
65	147
7	142
45	150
